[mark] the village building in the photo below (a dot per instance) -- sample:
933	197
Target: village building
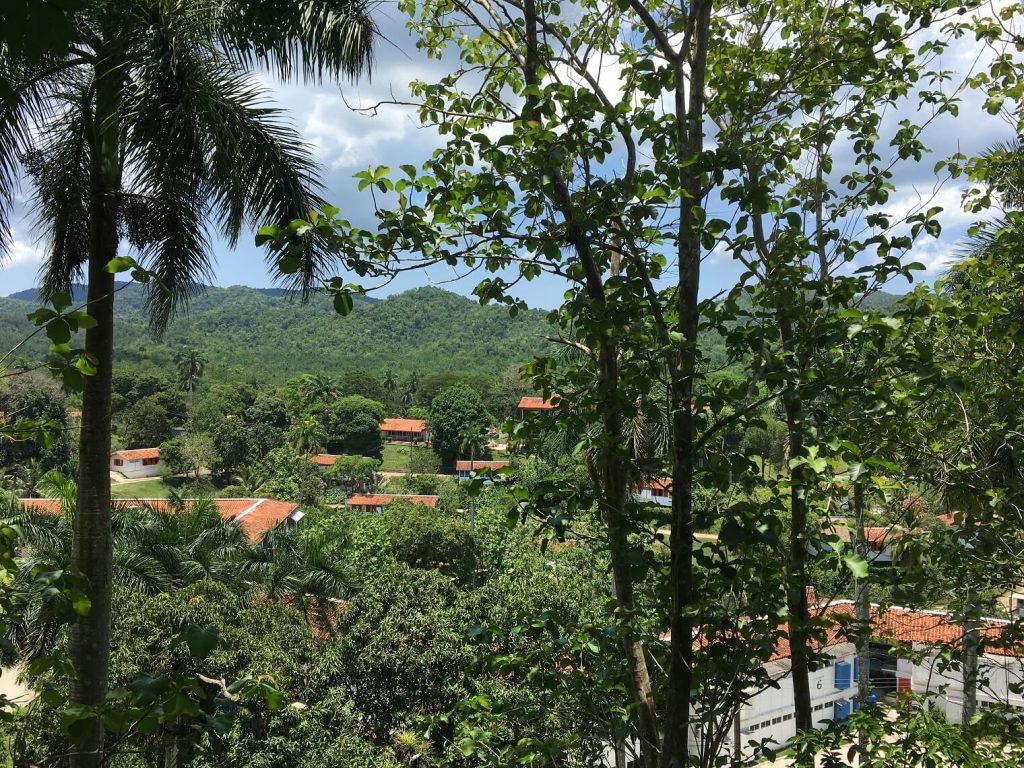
906	656
136	463
256	517
465	468
655	491
528	405
324	459
375	503
405	430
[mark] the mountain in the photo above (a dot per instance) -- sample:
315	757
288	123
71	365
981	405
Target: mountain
266	332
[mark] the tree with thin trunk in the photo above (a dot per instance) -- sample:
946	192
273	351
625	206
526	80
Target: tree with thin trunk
191	364
147	129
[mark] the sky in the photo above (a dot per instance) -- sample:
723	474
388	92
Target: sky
345	141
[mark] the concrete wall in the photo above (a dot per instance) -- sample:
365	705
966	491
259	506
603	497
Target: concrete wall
135	469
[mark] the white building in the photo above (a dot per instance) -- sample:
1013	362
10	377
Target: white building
140	462
768	714
654	492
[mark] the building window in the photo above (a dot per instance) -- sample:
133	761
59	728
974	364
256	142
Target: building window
149	462
118	463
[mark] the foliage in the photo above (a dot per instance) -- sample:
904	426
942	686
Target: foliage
241	330
146	424
424	537
188	455
352	426
455	414
33	396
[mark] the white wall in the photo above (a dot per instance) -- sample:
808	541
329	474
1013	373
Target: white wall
944	687
134	469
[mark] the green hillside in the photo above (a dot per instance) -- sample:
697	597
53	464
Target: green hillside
263	333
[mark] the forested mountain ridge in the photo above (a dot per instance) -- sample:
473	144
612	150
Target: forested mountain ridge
427	330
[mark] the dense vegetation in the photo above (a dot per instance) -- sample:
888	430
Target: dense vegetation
705	476
242	330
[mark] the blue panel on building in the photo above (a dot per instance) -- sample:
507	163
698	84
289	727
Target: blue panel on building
855	703
842	676
856	669
841	709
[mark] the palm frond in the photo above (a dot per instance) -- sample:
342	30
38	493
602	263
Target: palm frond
301	38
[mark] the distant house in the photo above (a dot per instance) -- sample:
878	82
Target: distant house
405	430
256	517
528	405
656	491
140	462
375	503
465	468
324	459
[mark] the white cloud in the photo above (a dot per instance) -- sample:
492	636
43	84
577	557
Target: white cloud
936	256
344	138
22	253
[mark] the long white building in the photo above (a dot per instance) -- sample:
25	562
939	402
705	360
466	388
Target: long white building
906	655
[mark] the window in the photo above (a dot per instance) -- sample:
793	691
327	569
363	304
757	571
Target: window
150	462
776	720
786	717
118	463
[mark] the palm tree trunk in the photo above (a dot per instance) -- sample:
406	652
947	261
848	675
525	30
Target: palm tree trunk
91	553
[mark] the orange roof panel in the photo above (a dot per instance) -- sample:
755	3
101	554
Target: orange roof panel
138	453
403	425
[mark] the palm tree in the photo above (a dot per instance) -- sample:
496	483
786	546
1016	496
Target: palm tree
250	479
153	551
307	438
147	128
316	389
191	365
309	568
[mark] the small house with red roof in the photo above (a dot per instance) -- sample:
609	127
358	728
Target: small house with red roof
466	468
405	430
654	491
137	462
528	405
324	459
373	504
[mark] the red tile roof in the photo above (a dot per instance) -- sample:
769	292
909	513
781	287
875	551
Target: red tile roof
324	459
383	499
256	517
138	453
403	425
663	484
535	404
898	625
472	466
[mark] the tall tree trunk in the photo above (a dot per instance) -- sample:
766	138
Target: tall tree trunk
689	116
91	553
796	577
862	612
971	625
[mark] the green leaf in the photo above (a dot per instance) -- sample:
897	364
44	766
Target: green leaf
201	640
858	565
342	303
120	264
61	301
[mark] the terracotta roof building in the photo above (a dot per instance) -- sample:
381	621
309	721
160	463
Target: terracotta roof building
137	462
324	459
465	468
405	430
375	503
534	405
256	517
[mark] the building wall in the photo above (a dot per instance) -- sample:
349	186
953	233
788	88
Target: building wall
135	469
769	714
944	688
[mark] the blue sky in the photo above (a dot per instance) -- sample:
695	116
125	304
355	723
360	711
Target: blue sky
345	142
